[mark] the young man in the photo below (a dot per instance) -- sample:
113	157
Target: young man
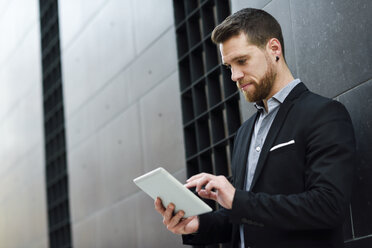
293	161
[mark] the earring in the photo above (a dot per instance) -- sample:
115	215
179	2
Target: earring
277	58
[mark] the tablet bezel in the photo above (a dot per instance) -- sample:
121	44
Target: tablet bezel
160	183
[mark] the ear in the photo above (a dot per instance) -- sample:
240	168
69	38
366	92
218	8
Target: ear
274	48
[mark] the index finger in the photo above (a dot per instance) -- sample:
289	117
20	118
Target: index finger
197	176
199	183
159	206
194	180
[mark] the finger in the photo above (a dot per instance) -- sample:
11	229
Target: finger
190	184
176	219
186	221
180	227
203	181
159	206
208	195
211	185
168	214
197	176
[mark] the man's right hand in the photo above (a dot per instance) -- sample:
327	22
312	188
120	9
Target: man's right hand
175	223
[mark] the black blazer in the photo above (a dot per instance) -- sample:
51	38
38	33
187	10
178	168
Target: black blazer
302	185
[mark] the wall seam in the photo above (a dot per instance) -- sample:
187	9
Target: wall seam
19	43
116	75
136	101
84	26
352	88
358	238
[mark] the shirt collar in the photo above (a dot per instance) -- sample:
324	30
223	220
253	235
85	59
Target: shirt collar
279	97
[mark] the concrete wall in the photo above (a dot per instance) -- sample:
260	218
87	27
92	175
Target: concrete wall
123	117
123	114
23	221
328	46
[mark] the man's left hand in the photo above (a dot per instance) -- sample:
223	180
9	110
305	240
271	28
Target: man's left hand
217	188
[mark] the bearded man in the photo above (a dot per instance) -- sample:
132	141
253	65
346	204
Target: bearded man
293	161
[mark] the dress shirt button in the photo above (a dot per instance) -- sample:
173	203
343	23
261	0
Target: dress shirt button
258	148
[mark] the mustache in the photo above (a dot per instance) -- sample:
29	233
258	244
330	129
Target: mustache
242	83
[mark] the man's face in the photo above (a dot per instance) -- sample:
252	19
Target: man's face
251	67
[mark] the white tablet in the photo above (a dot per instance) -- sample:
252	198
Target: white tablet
160	183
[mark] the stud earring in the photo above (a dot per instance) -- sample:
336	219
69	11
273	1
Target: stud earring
277	58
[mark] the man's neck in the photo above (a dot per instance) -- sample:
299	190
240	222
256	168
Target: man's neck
283	77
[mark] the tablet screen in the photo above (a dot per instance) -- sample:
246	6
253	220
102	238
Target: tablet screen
160	183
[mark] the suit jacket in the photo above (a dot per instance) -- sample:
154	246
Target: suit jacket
302	184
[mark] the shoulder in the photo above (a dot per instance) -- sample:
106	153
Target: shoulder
315	114
316	105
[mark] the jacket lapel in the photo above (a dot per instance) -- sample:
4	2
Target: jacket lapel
243	151
275	128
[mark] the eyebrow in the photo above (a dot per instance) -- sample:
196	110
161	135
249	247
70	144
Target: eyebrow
237	58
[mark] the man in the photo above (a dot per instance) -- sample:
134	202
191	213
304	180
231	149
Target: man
292	165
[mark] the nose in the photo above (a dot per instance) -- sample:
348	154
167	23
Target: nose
236	74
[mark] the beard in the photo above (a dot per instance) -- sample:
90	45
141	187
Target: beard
263	88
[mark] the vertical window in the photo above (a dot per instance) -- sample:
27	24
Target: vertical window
210	99
54	128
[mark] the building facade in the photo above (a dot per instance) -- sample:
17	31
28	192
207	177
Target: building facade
124	108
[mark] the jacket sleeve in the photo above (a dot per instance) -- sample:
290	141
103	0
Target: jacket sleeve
213	228
328	175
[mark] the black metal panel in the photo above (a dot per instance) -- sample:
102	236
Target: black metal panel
210	99
59	227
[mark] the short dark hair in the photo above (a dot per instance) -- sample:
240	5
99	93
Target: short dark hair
258	25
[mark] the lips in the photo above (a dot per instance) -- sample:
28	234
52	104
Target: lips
245	86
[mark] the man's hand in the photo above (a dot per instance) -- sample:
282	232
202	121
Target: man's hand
175	223
217	188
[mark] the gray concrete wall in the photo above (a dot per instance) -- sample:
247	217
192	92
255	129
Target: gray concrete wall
123	114
328	46
23	213
123	117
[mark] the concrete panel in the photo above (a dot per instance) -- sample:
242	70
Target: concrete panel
34	225
347	226
85	233
75	16
240	4
22	131
332	41
4	4
44	243
23	204
117	225
16	21
22	182
104	48
121	157
100	109
360	243
150	228
29	121
80	126
150	24
280	9
181	175
359	104
162	127
85	179
26	59
153	66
